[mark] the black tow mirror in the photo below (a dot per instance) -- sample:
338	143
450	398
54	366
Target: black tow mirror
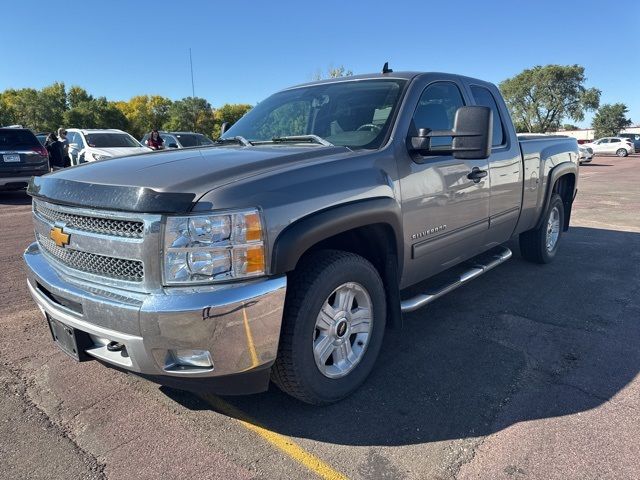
472	135
224	127
173	145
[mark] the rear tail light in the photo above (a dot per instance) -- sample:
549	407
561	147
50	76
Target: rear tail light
41	151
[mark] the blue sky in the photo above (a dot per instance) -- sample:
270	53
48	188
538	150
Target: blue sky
245	50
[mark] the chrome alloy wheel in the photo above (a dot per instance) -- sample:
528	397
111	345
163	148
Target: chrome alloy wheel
553	229
342	330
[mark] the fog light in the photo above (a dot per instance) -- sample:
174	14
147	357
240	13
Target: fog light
192	358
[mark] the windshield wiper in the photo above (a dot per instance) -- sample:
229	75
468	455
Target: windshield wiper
302	139
237	139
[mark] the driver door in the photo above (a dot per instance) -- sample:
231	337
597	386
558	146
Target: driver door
445	214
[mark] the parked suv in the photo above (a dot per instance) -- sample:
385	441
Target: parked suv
88	144
181	139
21	157
619	146
635	139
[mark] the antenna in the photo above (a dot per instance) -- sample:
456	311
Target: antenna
193	92
193	88
386	68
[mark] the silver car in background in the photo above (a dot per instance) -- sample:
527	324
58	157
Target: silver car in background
181	139
585	155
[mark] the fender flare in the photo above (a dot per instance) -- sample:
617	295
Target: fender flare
556	172
298	237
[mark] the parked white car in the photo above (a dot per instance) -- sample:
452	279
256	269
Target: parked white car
586	154
619	146
90	144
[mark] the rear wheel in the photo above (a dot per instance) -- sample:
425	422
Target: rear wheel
622	152
540	245
332	328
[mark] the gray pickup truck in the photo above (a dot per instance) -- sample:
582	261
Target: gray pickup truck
285	250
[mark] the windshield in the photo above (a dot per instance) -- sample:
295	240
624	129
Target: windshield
355	114
193	140
111	140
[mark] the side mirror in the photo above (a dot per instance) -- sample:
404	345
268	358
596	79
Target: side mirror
224	127
173	145
472	135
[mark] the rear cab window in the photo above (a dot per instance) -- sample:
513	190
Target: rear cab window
485	98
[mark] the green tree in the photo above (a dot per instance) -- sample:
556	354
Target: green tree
569	126
610	119
24	107
229	112
541	97
191	114
77	95
96	113
52	103
7	114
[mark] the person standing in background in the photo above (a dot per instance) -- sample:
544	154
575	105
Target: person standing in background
62	138
56	151
155	141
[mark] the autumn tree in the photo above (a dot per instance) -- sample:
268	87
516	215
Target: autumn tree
145	112
540	98
229	112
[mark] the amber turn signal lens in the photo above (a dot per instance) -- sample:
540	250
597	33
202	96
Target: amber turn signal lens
255	260
253	227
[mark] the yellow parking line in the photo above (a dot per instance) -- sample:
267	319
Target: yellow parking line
252	347
285	444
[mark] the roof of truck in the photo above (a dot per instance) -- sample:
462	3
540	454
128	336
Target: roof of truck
390	75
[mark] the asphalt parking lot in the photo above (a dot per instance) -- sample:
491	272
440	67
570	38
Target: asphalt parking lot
528	372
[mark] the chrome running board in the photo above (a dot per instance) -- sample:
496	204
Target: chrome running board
475	269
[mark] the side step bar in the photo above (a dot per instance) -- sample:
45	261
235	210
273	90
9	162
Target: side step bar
475	270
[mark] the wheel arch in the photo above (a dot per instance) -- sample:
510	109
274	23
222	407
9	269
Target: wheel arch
369	228
562	180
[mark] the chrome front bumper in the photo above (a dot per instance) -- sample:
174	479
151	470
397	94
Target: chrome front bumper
239	323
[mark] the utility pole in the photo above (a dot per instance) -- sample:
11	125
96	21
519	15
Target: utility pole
193	91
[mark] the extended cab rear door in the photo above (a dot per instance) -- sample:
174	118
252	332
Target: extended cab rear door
445	213
505	165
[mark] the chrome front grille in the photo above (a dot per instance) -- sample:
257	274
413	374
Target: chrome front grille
93	224
117	268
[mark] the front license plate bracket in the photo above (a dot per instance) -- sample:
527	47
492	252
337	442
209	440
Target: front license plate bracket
71	341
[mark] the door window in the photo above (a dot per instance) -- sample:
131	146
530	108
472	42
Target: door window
615	140
436	110
484	98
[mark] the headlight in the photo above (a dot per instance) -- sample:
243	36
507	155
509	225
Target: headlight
213	247
99	157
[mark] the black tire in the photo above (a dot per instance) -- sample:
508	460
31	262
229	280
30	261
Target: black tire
621	152
318	275
533	243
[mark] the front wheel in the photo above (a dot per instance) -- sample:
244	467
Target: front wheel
332	329
540	245
622	152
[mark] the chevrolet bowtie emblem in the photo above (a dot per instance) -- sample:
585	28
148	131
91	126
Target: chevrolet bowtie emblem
59	237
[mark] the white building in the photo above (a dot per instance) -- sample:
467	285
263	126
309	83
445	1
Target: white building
588	133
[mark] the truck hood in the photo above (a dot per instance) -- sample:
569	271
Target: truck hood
117	151
168	181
